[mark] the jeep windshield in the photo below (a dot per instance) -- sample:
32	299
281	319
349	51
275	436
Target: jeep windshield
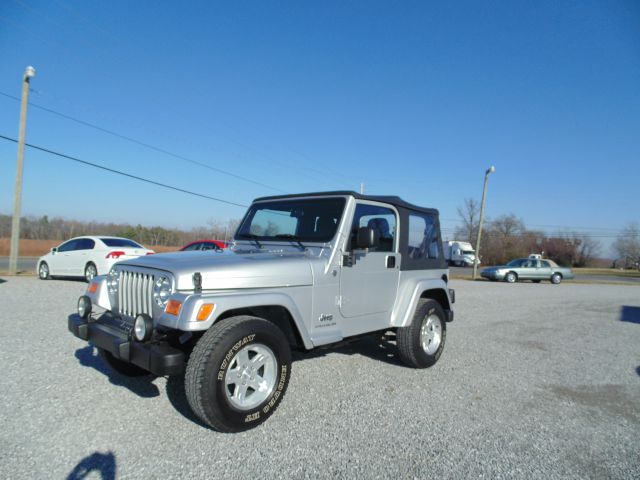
312	220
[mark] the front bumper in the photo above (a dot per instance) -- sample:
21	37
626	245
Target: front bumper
112	334
492	275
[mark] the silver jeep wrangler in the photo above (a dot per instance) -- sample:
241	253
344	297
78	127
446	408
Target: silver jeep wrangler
304	271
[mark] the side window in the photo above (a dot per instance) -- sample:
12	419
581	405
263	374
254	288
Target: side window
68	246
209	246
423	237
381	219
545	264
85	244
195	246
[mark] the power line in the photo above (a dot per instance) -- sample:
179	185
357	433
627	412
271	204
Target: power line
147	145
189	192
460	223
124	174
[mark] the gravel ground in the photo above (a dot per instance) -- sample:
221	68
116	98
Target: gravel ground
536	381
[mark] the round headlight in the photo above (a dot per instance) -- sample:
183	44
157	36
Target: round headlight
112	281
142	327
161	291
84	306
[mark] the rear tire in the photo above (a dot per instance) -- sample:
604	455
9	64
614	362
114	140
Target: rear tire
123	368
420	344
238	373
43	271
90	271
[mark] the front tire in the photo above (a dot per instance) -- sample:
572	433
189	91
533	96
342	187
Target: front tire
511	277
421	343
90	271
43	271
556	278
238	373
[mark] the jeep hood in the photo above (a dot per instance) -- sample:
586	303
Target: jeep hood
231	270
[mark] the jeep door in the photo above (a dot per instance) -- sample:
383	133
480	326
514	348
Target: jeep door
368	287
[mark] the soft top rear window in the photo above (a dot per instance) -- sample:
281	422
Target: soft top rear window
120	242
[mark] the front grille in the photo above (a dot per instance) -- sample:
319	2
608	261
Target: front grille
135	293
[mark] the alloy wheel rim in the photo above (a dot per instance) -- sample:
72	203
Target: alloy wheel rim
44	271
91	272
431	334
251	376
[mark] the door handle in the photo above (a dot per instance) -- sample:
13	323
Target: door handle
391	261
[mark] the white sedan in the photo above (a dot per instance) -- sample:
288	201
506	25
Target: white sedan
88	256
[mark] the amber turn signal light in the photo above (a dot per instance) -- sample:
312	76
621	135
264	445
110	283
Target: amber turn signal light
173	307
93	288
205	311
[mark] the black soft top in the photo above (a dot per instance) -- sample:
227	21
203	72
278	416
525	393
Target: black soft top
391	199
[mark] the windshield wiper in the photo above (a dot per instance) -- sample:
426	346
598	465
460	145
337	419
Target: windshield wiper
293	238
251	236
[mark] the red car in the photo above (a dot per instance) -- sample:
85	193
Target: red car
217	245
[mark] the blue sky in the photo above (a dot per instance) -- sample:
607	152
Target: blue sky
414	99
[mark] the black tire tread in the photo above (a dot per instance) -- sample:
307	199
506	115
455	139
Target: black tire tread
404	338
194	374
198	362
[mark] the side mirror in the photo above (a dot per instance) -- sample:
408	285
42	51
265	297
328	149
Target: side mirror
54	250
367	237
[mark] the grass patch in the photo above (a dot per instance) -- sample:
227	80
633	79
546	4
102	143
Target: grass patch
22	273
610	272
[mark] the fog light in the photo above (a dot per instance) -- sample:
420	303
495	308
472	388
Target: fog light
142	327
84	306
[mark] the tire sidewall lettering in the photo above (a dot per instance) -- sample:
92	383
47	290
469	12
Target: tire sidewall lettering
282	381
263	410
230	354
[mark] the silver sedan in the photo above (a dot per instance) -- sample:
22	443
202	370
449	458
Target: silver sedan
532	269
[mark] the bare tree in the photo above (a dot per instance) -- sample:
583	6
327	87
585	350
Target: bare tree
587	250
505	239
45	228
627	245
469	213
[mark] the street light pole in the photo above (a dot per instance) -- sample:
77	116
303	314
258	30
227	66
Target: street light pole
29	73
484	194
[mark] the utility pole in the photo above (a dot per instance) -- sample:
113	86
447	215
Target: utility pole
29	73
484	194
361	188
